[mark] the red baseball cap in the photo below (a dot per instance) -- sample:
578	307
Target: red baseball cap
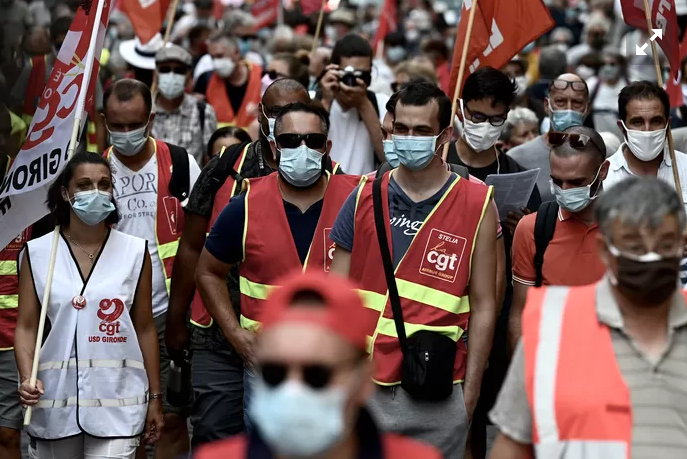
342	311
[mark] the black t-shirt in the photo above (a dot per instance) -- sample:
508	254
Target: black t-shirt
236	93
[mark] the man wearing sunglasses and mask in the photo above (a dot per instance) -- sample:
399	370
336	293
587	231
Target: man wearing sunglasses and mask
644	110
279	224
314	378
578	168
441	228
600	369
567	105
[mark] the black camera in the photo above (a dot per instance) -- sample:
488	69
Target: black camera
349	76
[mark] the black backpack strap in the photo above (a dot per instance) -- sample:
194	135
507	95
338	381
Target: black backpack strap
384	168
201	119
373	99
225	167
180	184
544	226
388	265
462	171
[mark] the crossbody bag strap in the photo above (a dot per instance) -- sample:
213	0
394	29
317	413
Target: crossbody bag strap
386	262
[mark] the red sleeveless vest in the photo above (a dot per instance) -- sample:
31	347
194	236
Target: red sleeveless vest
269	249
219	99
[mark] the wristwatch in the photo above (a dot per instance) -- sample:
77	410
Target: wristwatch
156	396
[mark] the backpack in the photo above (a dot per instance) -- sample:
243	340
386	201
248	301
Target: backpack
180	183
544	226
462	171
225	167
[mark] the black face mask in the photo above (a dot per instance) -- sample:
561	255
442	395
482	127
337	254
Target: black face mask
648	282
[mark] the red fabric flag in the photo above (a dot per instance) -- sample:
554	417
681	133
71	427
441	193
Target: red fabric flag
500	30
265	12
674	83
663	17
387	22
146	16
309	7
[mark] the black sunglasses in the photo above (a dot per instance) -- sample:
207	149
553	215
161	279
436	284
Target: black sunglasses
579	86
273	74
168	69
577	141
314	141
316	376
478	117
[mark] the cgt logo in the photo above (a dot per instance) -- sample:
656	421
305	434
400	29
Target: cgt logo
329	247
109	311
443	255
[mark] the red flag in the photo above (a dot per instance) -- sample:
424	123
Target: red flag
387	22
674	83
265	12
500	30
663	17
146	16
309	7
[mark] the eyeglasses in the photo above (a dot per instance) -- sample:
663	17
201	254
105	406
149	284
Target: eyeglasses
314	141
478	117
316	376
273	74
577	141
169	68
562	85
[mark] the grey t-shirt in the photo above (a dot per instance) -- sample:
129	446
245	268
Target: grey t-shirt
535	155
406	217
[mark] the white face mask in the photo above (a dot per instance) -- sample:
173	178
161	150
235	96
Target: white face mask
521	81
171	84
645	145
224	66
480	136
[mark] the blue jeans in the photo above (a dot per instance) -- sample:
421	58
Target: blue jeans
248	384
218	388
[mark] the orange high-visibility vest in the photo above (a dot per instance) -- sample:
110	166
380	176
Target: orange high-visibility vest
219	99
269	250
169	219
432	278
199	315
581	406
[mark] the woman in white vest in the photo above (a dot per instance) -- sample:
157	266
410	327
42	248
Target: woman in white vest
98	386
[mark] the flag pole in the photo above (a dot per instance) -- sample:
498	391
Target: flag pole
171	13
318	29
461	70
76	129
659	79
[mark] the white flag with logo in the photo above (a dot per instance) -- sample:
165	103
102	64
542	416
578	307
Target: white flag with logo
44	153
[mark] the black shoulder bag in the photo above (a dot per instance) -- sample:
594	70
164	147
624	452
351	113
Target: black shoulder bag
544	226
428	357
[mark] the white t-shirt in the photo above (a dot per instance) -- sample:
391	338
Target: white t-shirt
136	196
351	144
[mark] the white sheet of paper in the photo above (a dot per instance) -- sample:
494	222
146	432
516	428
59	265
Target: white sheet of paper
512	191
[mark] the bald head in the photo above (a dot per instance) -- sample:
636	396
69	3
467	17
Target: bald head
595	148
283	92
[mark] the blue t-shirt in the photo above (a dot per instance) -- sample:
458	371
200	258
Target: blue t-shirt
225	241
405	217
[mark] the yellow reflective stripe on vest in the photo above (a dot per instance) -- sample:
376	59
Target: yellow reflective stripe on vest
388	327
249	324
372	300
253	289
168	250
8	268
436	298
9	301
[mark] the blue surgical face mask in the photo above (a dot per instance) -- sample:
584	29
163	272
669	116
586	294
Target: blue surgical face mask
92	206
415	152
300	167
396	54
574	199
390	154
297	421
129	143
244	46
563	119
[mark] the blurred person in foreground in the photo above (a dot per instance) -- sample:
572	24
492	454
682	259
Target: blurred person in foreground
314	378
568	105
101	320
354	111
624	336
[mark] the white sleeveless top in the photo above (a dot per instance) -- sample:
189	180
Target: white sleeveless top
91	364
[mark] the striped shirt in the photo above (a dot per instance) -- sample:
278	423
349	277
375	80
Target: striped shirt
657	387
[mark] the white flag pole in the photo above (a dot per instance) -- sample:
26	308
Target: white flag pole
76	129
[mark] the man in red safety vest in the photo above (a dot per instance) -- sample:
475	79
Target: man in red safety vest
599	371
